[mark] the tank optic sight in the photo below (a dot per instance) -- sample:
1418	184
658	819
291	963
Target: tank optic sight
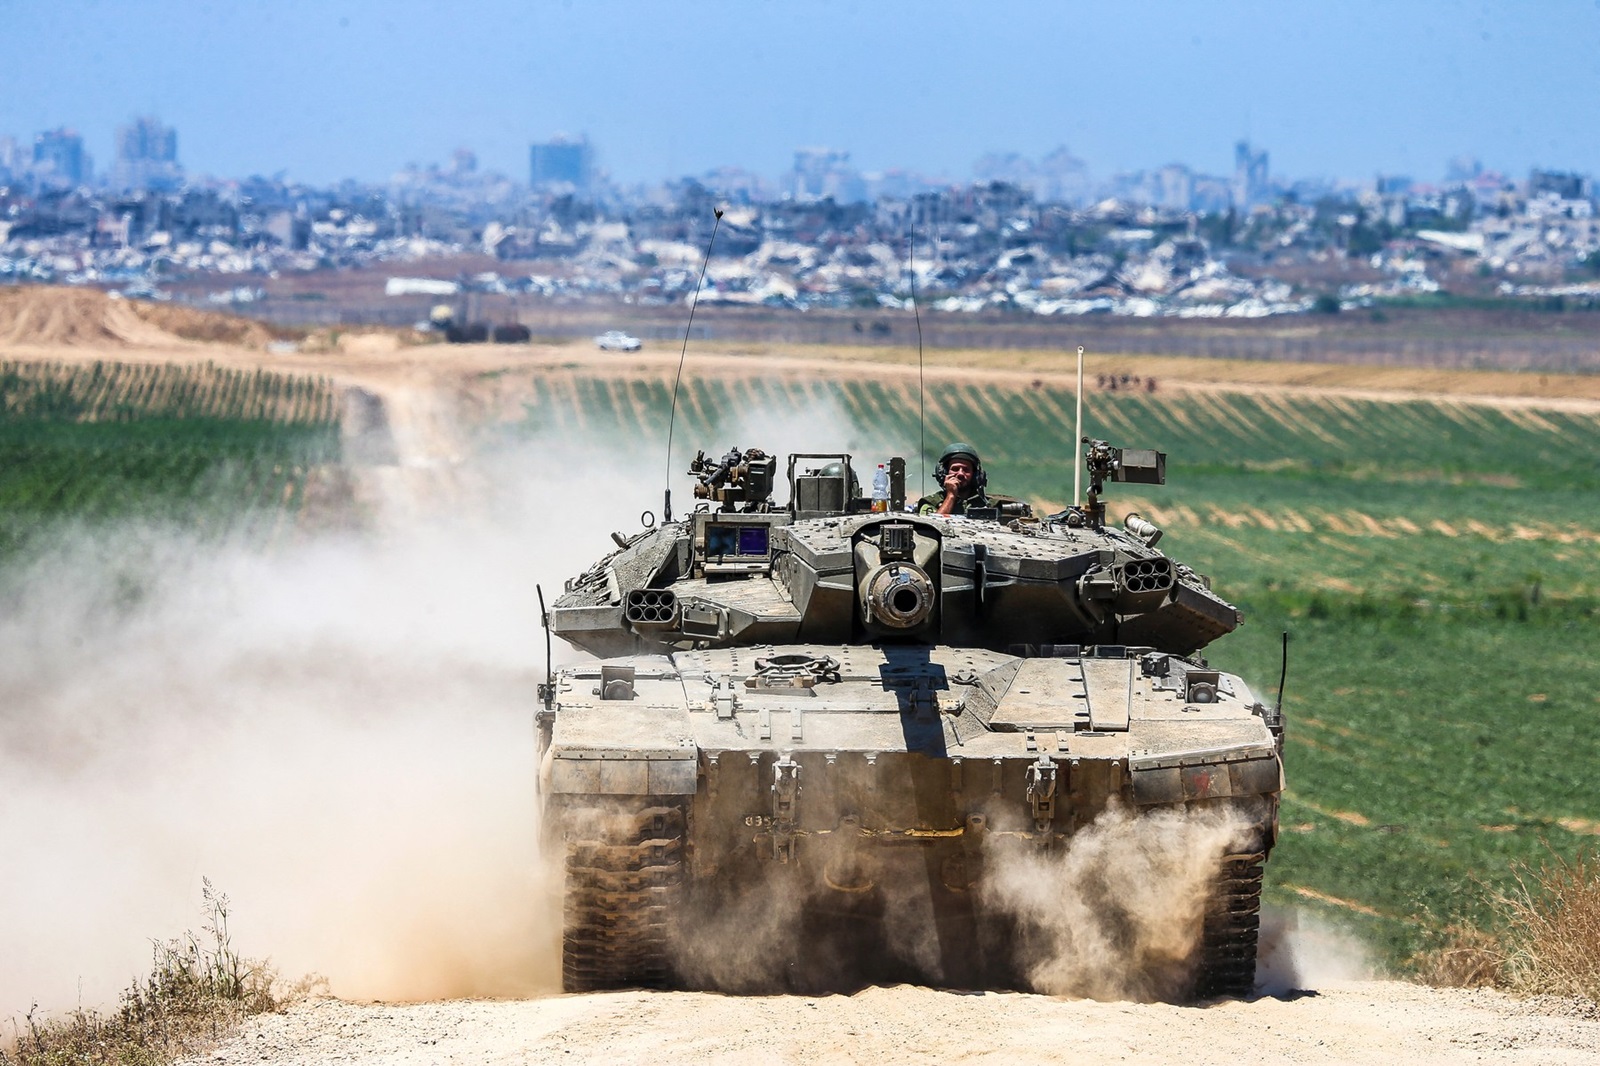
1136	466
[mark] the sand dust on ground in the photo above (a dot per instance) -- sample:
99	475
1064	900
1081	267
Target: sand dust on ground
1350	1022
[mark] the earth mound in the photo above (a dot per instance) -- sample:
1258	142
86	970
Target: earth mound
88	318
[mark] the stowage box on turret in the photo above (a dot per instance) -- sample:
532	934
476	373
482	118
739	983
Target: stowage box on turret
814	699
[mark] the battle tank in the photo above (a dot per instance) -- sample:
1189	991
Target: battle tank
816	701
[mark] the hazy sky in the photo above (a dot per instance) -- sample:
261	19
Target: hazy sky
331	89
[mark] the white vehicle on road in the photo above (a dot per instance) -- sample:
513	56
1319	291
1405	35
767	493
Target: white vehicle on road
617	341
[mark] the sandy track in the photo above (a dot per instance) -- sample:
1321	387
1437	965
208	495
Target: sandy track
481	374
1343	1023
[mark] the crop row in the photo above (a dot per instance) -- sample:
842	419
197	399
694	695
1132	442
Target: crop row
1030	429
200	445
119	392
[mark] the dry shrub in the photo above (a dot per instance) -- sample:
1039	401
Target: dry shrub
1553	928
198	991
1467	958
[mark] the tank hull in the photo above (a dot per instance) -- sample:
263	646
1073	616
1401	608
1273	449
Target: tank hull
812	817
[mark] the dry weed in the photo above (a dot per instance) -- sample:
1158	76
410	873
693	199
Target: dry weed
198	991
1467	958
1553	928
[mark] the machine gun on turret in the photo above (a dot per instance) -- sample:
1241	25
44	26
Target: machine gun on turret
738	477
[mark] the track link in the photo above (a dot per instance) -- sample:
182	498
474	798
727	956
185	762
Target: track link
1229	937
624	894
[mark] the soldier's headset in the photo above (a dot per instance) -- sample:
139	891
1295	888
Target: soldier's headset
980	476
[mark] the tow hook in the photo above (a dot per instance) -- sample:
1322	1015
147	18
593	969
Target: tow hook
1042	792
785	799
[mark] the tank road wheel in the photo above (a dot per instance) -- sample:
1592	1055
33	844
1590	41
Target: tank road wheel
1228	937
623	894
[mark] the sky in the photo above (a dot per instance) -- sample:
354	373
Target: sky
328	90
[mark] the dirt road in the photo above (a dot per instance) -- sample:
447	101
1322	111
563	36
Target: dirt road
1356	1022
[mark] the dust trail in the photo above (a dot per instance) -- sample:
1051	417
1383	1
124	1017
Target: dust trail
1116	915
338	733
1300	950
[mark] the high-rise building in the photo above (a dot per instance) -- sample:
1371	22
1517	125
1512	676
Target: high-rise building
1173	187
58	156
823	173
147	156
562	161
1562	185
11	158
1250	184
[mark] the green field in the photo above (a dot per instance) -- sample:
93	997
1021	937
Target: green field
213	449
1433	562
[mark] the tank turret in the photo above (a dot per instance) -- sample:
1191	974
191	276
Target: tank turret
826	568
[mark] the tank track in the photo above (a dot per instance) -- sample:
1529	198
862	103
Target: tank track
1228	939
624	893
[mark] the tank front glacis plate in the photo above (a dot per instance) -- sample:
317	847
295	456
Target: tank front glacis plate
853	711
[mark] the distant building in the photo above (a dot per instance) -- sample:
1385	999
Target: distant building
1250	178
1462	170
58	157
562	161
825	173
1210	195
1393	184
1173	187
1064	178
1561	185
147	156
11	158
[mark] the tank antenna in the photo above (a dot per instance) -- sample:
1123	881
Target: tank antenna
666	509
547	691
1077	435
1283	673
922	422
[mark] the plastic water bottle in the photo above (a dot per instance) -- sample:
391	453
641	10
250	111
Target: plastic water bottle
880	489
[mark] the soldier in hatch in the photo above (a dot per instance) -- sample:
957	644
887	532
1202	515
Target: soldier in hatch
960	473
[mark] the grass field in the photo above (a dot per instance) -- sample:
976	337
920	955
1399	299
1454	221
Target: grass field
1433	562
211	448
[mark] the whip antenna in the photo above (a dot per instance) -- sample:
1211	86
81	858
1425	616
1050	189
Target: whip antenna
666	508
922	423
1283	674
547	691
1077	435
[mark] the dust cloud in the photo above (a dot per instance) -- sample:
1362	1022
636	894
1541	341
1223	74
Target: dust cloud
1302	950
336	731
1116	914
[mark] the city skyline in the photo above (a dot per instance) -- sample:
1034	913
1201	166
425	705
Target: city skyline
365	89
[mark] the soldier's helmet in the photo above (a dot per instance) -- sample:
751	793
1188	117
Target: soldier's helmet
961	450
